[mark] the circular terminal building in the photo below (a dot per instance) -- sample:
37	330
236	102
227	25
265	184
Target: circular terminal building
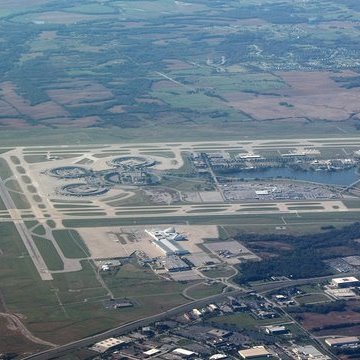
113	178
132	162
82	189
69	172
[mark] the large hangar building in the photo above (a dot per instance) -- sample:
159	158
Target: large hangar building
167	241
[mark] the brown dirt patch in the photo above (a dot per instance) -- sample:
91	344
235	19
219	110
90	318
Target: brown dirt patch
60	17
21	4
11	339
48	35
341	331
22	106
7	109
149	101
312	95
177	65
265	255
339	251
164	84
79	92
270	245
117	109
14	124
319	322
80	122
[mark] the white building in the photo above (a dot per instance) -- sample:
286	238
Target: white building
167	241
345	282
254	353
309	352
343	341
184	353
107	345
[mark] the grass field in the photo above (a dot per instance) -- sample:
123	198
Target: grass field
39	230
5	171
70	306
14	342
202	290
246	321
49	253
20	200
71	244
219	271
134	281
313	298
2	205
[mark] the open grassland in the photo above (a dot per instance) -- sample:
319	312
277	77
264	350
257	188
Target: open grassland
246	321
13	341
204	290
132	281
20	200
342	323
49	253
70	306
71	244
149	66
312	299
2	205
5	171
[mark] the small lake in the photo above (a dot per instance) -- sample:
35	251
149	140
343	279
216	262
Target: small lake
341	177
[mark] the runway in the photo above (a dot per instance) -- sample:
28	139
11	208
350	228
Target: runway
24	234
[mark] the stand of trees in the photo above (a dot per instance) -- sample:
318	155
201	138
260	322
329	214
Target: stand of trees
306	258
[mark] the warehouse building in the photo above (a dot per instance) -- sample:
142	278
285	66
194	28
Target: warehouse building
185	354
343	341
167	241
151	352
254	353
173	263
345	282
275	330
109	344
309	352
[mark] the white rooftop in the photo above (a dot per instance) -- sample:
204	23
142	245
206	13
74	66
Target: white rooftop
151	352
256	351
185	352
105	345
345	280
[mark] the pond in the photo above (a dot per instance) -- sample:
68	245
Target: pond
340	177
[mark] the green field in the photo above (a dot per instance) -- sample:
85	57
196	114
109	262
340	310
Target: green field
246	321
71	244
20	200
80	312
204	290
313	298
49	253
5	171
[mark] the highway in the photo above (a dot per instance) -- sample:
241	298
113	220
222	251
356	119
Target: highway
24	234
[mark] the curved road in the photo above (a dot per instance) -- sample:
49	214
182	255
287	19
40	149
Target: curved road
120	330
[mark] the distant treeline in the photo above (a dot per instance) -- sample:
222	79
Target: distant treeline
306	258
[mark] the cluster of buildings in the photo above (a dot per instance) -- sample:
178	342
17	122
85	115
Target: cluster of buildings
195	335
168	241
305	157
344	288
